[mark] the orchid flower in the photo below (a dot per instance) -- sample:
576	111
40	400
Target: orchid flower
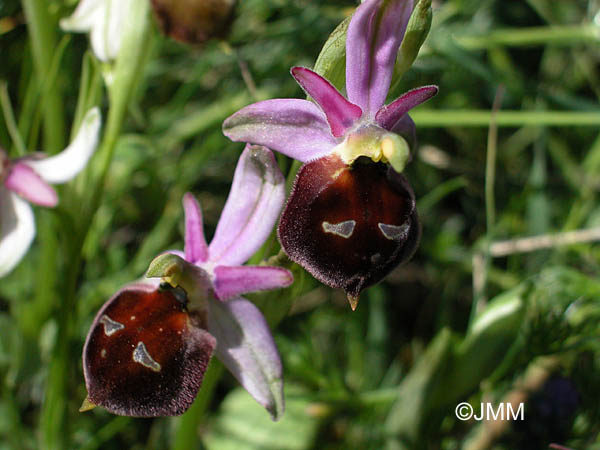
148	348
104	21
351	217
28	179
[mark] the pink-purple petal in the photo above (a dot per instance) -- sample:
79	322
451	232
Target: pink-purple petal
340	113
297	128
246	347
23	180
374	36
233	281
252	208
196	248
389	115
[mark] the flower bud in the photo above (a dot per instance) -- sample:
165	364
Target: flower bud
416	32
194	21
349	225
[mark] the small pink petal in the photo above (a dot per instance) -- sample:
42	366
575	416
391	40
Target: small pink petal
341	114
196	248
23	180
389	115
232	281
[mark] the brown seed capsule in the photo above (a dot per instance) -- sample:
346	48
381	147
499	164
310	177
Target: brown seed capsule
194	21
143	355
349	226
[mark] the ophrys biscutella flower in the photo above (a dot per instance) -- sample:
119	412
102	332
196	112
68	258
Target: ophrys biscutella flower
28	179
351	217
149	346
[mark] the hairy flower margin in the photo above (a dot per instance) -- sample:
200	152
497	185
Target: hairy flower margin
174	328
343	236
28	179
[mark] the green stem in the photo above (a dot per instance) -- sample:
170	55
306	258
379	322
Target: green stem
438	193
9	119
42	31
490	205
490	170
14	437
105	433
54	423
565	35
481	118
40	309
186	434
41	28
126	73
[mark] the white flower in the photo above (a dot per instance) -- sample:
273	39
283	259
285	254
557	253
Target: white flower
104	20
28	179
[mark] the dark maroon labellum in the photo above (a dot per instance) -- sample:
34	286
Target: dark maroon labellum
349	226
143	355
194	21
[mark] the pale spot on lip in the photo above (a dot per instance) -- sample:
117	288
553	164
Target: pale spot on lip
103	353
141	355
343	229
394	232
110	326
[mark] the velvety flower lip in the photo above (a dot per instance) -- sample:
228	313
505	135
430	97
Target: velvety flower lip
104	21
28	179
330	226
366	234
144	356
219	319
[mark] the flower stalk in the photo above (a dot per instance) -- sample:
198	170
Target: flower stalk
41	28
54	414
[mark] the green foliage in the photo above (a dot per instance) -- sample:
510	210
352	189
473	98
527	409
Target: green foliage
242	423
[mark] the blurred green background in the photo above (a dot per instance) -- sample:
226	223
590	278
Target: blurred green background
464	320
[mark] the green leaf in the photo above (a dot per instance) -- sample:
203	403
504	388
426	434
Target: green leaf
331	62
412	407
487	342
241	423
